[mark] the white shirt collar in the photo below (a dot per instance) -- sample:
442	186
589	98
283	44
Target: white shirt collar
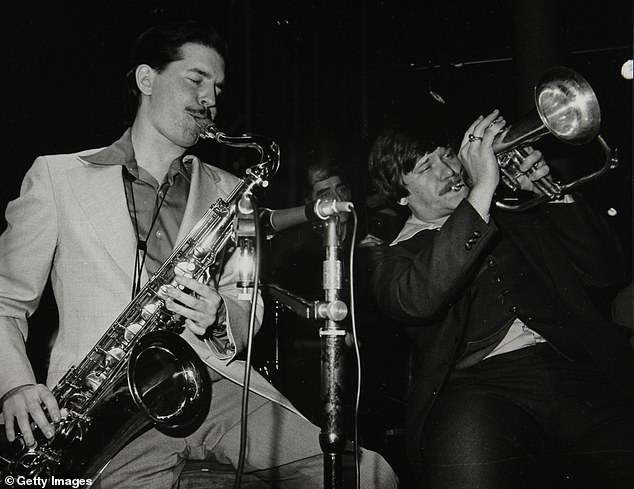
414	225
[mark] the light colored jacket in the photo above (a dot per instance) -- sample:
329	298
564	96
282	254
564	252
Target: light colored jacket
71	221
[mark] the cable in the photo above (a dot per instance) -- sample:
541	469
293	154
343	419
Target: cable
356	350
251	334
141	244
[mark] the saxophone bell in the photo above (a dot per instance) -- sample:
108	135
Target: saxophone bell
169	383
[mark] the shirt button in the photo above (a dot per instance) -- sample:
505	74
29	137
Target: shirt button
477	233
159	234
491	264
506	292
513	309
468	246
498	279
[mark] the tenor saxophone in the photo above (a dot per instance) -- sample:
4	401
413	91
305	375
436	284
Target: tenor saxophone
141	373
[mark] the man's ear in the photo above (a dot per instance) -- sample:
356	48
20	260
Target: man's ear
144	76
402	201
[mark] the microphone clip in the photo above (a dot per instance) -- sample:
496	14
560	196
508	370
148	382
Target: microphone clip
244	233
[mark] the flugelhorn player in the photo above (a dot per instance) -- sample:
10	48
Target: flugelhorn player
522	382
100	222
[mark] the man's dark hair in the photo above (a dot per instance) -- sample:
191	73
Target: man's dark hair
395	153
160	45
320	171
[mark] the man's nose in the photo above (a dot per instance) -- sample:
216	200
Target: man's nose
342	193
208	98
446	170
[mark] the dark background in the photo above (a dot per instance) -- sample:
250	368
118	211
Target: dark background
322	79
318	77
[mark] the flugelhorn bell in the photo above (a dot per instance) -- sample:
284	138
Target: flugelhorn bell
566	107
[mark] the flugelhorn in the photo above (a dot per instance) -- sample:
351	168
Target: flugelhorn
566	107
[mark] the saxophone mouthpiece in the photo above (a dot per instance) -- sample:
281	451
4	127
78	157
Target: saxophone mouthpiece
207	128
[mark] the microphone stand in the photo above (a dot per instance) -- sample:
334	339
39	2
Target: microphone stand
332	338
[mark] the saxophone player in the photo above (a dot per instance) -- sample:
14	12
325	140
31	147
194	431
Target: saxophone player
106	219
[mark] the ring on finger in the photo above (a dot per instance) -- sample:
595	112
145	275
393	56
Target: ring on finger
473	138
536	166
499	119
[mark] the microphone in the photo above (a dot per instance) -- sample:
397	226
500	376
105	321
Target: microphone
275	221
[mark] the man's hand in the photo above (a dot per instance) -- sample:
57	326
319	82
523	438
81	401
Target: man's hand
479	161
533	168
476	151
27	401
199	307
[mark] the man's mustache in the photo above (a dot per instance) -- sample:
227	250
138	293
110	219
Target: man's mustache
453	185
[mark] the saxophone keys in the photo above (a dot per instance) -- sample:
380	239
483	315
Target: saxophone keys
114	355
148	310
94	380
131	331
162	292
184	268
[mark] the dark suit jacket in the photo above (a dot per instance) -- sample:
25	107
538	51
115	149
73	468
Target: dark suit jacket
426	283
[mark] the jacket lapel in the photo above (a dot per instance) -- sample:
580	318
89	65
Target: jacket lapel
100	192
203	192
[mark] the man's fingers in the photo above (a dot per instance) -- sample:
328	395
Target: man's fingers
34	406
526	180
486	123
187	312
9	427
206	300
180	296
465	139
42	422
25	428
539	172
204	290
27	405
531	160
51	406
194	328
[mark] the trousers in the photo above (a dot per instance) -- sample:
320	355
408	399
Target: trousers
529	419
282	449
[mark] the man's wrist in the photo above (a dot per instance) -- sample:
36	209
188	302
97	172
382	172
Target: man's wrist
480	199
